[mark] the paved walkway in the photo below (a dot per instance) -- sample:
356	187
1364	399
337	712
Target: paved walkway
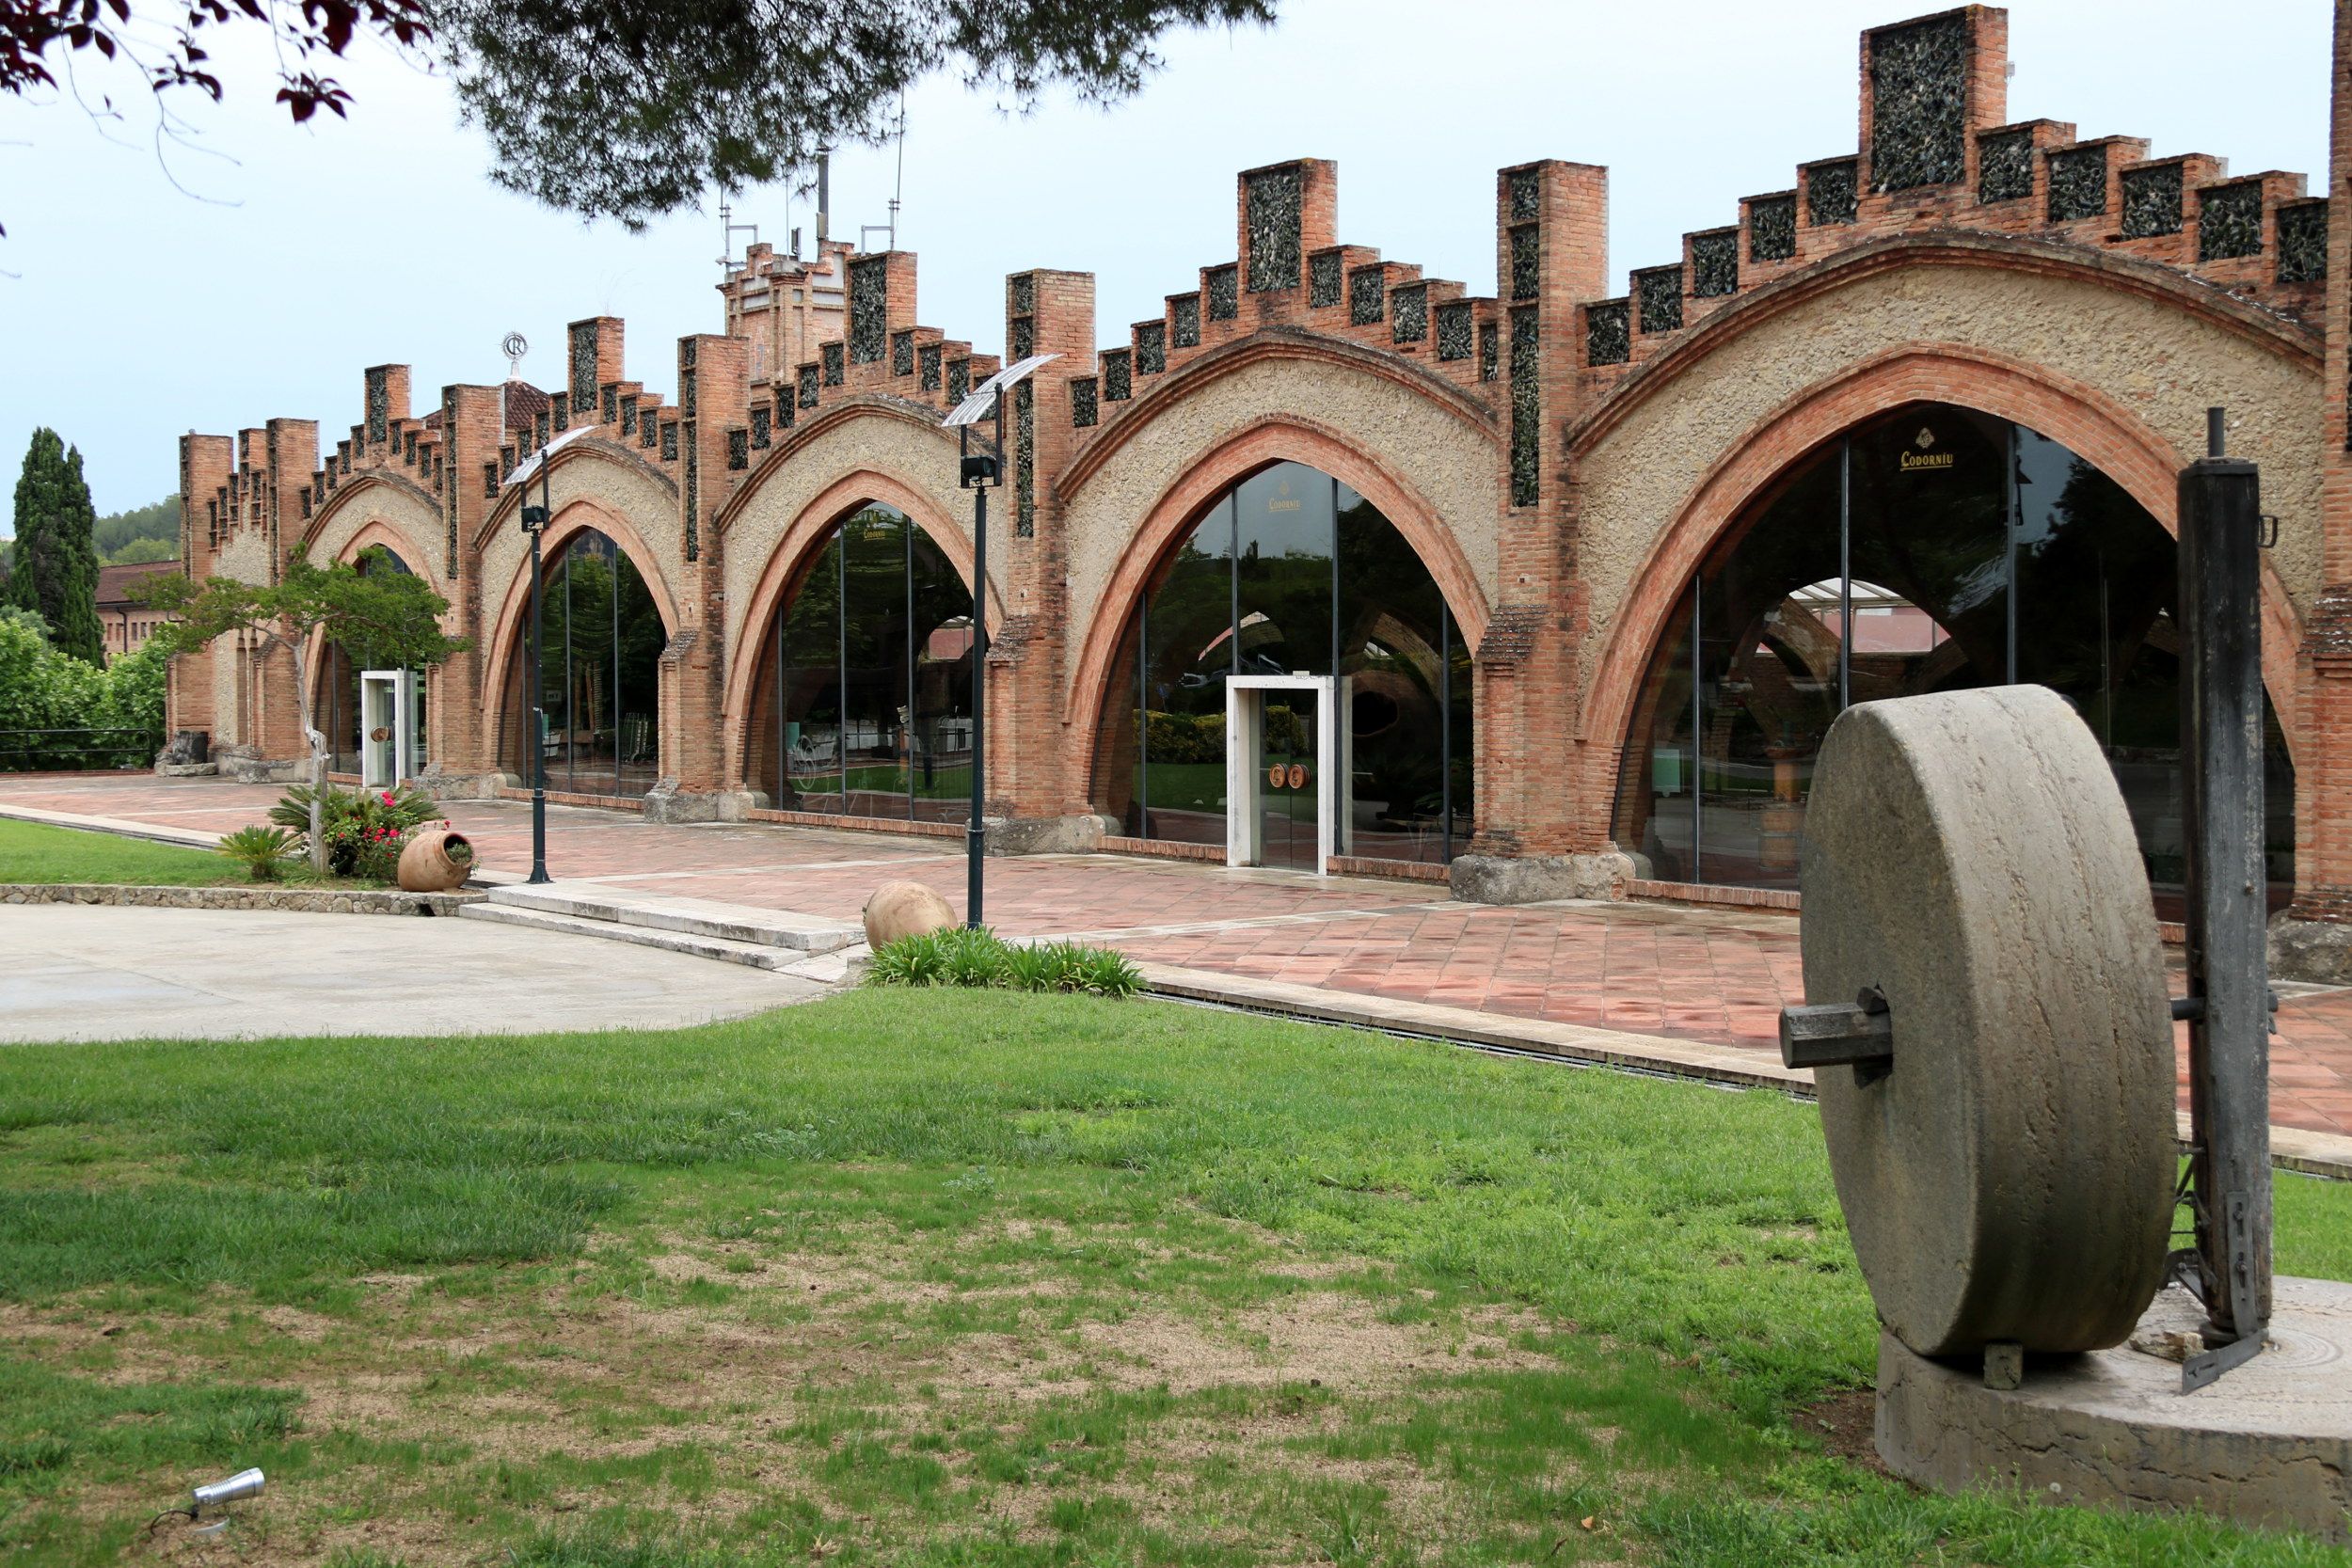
1712	980
79	971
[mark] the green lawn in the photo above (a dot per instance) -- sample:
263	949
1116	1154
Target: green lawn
36	852
939	1277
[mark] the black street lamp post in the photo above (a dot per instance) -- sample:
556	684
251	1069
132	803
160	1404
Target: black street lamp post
535	521
981	468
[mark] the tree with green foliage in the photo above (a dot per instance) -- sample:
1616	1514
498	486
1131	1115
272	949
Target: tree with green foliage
54	573
390	619
152	530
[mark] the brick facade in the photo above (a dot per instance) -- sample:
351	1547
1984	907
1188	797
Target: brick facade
1559	454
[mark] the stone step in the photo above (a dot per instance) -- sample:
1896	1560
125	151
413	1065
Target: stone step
700	917
752	954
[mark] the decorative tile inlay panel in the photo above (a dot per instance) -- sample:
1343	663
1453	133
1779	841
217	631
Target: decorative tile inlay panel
870	310
1918	104
785	413
612	405
490	481
1659	289
1526	195
1024	295
2005	166
669	440
1456	328
1273	201
763	425
1118	376
2303	242
694	485
584	388
409	456
1150	348
808	386
1023	337
2152	201
1324	272
1608	334
1224	293
1082	406
832	355
1715	264
1526	408
902	353
739	443
1408	315
628	415
560	406
1186	322
2078	183
926	372
647	432
306	504
1024	460
1366	295
959	380
1830	193
379	403
1527	264
2230	221
1773	228
1490	352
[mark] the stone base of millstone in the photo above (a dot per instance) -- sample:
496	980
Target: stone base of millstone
2268	1443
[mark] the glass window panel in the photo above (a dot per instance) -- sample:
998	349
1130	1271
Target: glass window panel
941	765
1391	650
1930	526
1188	653
1284	516
810	676
1656	777
638	639
874	667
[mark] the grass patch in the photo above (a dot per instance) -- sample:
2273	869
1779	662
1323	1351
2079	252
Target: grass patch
37	852
933	1276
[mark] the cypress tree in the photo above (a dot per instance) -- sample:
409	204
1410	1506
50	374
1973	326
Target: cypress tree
54	573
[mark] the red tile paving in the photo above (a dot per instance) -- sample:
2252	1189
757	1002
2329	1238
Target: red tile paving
1712	976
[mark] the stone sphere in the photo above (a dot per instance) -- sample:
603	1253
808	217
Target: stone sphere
904	910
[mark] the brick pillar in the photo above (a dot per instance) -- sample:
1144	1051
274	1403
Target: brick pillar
714	402
2313	938
1543	822
385	403
1037	767
460	761
1282	213
204	465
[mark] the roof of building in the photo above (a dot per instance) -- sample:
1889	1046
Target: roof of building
524	403
116	583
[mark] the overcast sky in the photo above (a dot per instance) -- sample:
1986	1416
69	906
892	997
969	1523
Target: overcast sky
138	310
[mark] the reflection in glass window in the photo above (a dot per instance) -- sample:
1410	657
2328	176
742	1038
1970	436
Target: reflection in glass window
865	706
599	679
1933	549
1291	572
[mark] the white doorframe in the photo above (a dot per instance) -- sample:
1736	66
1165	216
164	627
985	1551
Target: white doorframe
1245	721
380	690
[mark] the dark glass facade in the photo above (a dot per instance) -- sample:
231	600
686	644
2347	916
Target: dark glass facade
1933	549
866	707
337	703
1291	572
600	677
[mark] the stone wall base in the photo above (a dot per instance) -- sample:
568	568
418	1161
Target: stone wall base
2319	950
666	803
1537	879
264	770
1045	835
187	769
300	900
445	785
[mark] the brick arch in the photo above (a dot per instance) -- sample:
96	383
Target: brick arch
375	531
2086	420
416	548
576	516
802	540
1233	458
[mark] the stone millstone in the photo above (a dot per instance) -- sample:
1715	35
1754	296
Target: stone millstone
1968	854
904	910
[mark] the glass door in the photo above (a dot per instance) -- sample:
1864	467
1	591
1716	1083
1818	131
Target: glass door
1290	793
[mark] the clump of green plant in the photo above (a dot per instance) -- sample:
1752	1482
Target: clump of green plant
366	825
962	957
262	851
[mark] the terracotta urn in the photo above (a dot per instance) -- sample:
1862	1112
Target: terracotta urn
904	910
435	859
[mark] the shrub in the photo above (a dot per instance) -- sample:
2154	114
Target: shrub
981	958
262	851
349	819
367	850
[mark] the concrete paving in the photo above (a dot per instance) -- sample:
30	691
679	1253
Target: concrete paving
93	972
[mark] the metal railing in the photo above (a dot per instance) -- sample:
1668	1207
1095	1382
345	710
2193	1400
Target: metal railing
77	749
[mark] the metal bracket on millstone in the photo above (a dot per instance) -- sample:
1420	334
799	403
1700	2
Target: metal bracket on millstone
1860	1034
